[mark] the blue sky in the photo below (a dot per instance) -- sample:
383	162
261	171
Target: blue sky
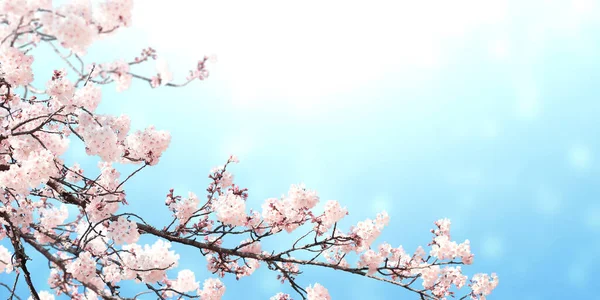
484	114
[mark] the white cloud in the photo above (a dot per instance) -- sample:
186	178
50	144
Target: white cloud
580	157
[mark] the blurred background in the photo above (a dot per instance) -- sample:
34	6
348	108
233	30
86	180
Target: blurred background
484	112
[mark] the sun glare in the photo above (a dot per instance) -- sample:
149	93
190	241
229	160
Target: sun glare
301	52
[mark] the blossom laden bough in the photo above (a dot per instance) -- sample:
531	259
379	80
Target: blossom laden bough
81	224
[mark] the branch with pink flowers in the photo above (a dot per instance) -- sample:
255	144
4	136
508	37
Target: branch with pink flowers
94	253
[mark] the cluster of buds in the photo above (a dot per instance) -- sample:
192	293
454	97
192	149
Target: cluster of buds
200	72
146	53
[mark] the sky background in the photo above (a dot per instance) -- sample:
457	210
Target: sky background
484	112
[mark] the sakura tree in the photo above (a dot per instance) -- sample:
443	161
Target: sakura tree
94	253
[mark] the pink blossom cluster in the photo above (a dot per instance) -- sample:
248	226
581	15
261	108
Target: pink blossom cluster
230	209
212	289
482	285
250	264
445	249
77	24
226	179
113	273
335	255
49	219
281	296
444	279
15	66
23	7
148	145
103	135
88	97
186	282
117	71
200	72
22	215
367	231
36	169
75	32
92	236
289	212
114	13
123	231
288	271
222	179
333	213
83	268
371	260
74	174
103	205
28	144
5	260
28	119
435	278
241	269
61	88
184	209
149	262
395	257
317	292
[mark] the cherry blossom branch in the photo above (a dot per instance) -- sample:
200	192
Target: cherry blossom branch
61	265
21	257
91	252
266	258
